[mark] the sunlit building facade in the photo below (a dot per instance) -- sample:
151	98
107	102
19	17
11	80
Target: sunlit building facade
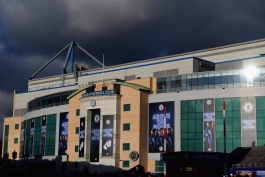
113	118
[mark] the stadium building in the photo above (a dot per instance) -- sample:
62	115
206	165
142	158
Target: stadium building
112	118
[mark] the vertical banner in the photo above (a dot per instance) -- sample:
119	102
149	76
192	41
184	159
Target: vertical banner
43	135
95	132
22	139
209	125
31	138
107	135
82	137
156	127
63	133
248	118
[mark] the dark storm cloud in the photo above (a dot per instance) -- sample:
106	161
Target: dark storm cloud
32	32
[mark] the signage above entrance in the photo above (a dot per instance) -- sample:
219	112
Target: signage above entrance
98	93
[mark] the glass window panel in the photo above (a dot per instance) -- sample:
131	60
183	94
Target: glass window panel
126	107
126	164
183	81
191	125
219	115
200	81
199	115
229	145
260	124
219	145
199	125
236	104
260	103
184	135
194	81
167	83
192	115
260	113
192	145
228	114
184	145
199	107
229	125
261	142
211	79
172	82
217	78
236	114
191	106
206	80
236	124
229	134
219	125
218	104
243	79
199	145
236	143
184	126
189	82
224	79
192	135
199	136
219	134
185	116
261	135
126	127
126	146
184	107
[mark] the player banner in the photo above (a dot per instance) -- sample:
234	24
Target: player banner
157	113
82	137
22	139
43	135
95	132
107	135
31	141
209	125
63	133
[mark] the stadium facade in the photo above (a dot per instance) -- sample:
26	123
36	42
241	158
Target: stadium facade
113	118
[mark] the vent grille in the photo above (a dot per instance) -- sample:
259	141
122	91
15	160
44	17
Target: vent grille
172	72
159	74
132	77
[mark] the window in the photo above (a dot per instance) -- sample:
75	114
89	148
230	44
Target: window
15	140
126	107
76	130
126	146
76	148
16	126
126	164
126	127
78	112
159	166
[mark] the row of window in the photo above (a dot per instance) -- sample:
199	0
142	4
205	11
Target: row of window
126	107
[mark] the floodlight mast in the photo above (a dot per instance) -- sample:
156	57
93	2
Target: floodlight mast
48	62
70	53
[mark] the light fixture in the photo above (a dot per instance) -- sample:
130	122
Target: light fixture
250	71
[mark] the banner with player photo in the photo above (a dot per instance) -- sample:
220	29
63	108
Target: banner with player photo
43	135
107	135
209	125
22	138
63	133
156	127
82	137
31	141
95	132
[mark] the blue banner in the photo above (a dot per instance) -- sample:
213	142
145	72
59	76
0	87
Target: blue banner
22	138
156	127
95	135
209	128
107	135
63	133
43	135
82	137
31	141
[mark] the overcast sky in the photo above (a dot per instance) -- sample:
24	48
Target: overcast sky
32	32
